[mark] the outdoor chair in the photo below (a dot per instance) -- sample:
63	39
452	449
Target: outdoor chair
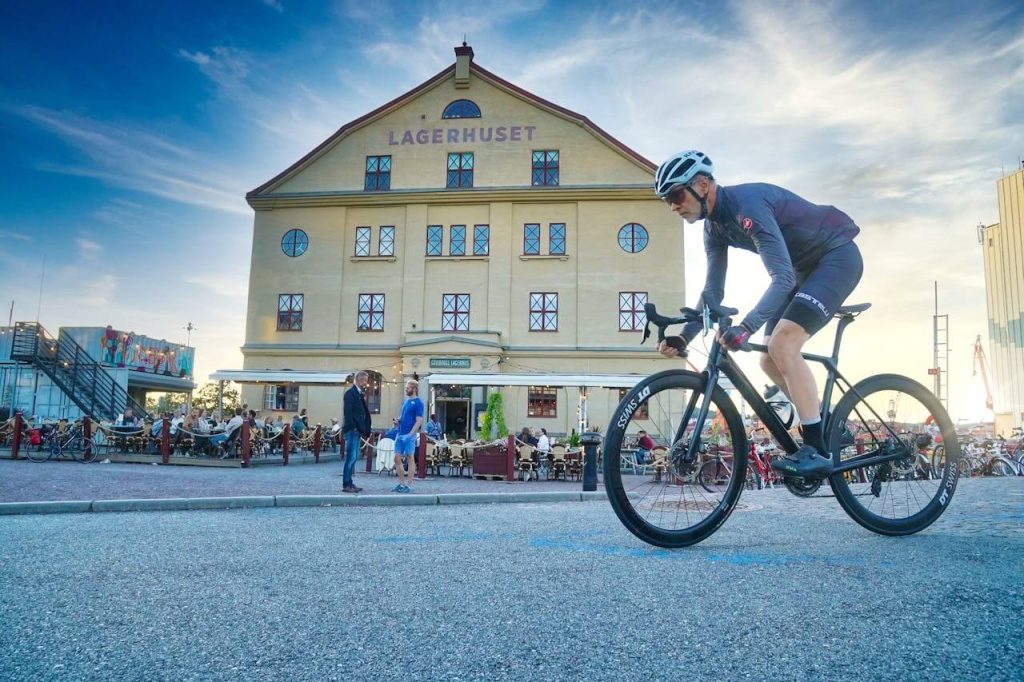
558	463
433	459
574	461
527	467
457	458
658	463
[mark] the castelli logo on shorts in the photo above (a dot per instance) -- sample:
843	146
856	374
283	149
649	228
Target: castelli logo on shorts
747	223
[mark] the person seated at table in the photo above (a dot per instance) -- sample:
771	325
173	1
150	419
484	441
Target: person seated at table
644	445
298	426
433	428
231	431
543	442
526	436
127	418
392	433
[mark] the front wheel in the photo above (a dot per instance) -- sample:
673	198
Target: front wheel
896	417
675	503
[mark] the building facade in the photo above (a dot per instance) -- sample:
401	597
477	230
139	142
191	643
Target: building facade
1003	248
466	226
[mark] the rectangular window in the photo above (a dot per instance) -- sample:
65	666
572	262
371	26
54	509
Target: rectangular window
543	312
631	311
371	313
460	169
545	167
556	239
457	240
641	410
435	235
289	312
455	312
542	401
378	174
281	397
362	241
531	239
386	241
481	240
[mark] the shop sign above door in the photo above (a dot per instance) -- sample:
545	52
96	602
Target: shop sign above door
449	363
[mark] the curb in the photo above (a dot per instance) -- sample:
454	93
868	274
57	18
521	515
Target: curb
249	502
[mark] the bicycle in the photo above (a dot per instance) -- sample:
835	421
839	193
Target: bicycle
66	442
878	477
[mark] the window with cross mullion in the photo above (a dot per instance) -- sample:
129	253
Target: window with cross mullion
460	169
457	240
378	174
289	312
531	239
386	241
543	312
362	241
481	240
545	167
455	312
631	310
371	313
556	239
435	237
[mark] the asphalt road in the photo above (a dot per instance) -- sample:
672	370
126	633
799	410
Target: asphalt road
787	589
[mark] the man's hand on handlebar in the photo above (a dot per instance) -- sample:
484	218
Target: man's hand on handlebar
672	346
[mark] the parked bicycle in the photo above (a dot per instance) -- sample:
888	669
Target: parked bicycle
871	432
66	440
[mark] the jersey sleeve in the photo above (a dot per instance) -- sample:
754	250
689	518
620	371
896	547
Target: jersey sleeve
767	237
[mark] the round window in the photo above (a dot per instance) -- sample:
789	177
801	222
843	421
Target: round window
294	243
633	238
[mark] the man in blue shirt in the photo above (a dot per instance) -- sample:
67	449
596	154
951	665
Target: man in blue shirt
814	265
409	425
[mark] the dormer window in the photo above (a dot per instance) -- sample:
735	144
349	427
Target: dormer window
461	108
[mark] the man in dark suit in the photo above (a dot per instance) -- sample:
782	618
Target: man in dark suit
355	425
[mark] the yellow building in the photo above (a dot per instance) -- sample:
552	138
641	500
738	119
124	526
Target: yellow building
1003	246
467	226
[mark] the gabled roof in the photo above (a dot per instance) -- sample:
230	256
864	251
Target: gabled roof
478	71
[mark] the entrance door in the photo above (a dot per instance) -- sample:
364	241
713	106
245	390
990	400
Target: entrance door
453	414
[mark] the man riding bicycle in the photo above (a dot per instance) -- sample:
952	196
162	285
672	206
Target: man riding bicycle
813	263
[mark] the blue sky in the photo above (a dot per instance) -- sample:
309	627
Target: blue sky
131	132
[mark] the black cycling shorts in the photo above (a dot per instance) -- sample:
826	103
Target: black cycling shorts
820	291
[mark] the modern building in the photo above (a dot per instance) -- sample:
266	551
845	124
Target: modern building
1003	249
87	370
467	226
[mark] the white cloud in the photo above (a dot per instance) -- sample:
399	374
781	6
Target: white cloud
274	5
18	236
87	248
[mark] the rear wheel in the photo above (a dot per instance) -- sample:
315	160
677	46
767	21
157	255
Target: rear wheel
889	415
1000	466
687	501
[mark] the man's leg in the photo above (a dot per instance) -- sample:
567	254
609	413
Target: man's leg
351	451
769	368
399	469
793	372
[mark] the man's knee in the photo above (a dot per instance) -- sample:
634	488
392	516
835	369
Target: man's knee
785	344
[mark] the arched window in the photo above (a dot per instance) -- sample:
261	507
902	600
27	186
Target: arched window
461	108
633	237
294	243
373	391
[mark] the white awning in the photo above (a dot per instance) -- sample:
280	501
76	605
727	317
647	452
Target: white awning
539	379
560	380
282	376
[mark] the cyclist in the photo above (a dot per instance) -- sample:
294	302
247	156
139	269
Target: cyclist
813	263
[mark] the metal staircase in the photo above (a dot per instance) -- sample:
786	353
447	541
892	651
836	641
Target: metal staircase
84	380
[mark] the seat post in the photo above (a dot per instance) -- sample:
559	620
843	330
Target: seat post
844	322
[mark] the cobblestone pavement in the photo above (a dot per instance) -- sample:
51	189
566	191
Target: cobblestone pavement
25	481
787	589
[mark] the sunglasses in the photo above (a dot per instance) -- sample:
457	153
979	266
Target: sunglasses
676	196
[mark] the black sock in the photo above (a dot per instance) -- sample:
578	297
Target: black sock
812	436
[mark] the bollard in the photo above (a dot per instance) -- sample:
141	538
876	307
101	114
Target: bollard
421	455
590	441
287	436
316	445
246	443
87	438
16	437
510	459
165	441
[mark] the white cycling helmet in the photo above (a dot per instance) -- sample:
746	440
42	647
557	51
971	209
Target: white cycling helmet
681	169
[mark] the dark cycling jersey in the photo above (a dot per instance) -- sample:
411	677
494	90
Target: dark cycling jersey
789	233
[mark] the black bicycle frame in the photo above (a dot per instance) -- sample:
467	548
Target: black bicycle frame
720	362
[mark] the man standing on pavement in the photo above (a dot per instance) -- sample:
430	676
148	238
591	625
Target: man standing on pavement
355	425
409	425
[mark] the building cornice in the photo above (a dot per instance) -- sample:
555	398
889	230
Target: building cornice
474	195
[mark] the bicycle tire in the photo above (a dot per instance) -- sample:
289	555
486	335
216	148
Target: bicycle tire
938	492
80	452
1000	466
637	512
40	454
938	460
